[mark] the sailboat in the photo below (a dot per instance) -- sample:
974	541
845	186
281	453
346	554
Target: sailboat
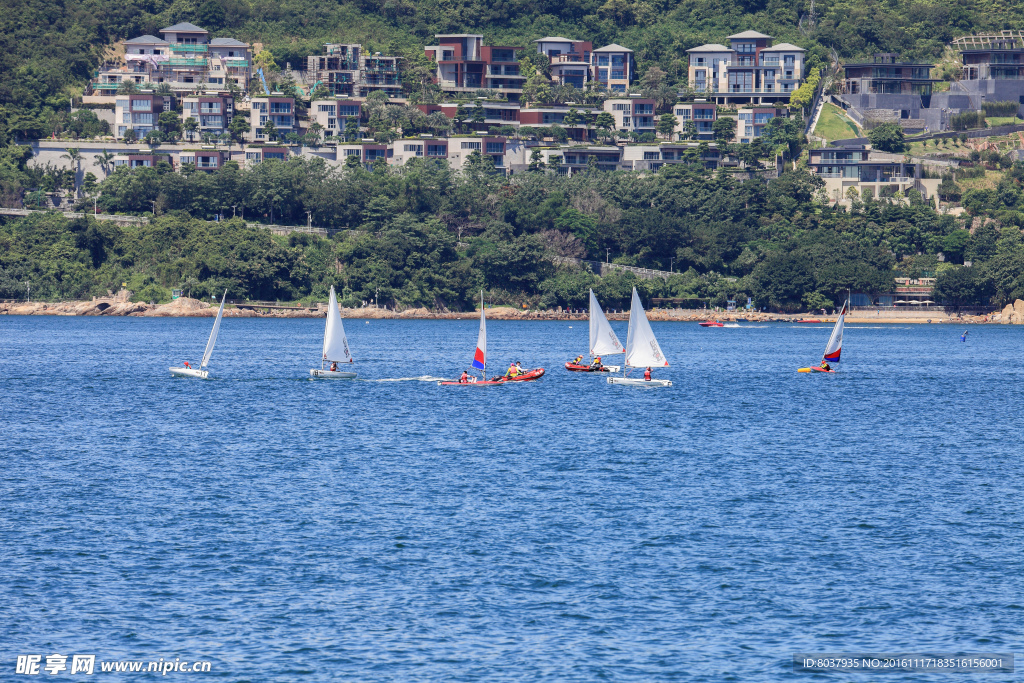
603	341
642	350
335	345
480	361
834	347
201	372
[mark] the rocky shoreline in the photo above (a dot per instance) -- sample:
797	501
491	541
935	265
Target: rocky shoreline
194	308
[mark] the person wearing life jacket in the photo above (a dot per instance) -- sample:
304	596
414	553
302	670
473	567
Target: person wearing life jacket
188	365
519	369
596	364
825	366
576	361
647	375
511	372
334	366
465	378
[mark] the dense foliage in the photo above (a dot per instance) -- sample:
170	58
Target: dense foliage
423	235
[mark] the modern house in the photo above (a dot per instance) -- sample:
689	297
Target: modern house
569	59
861	168
334	114
465	65
213	113
338	70
614	67
993	68
750	71
634	114
184	58
701	113
139	113
276	109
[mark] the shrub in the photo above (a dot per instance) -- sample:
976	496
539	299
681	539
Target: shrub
967	120
1007	108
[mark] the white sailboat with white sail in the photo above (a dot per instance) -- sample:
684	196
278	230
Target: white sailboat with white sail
335	345
642	350
603	341
201	372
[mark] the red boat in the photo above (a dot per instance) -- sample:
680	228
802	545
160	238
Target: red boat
525	377
569	365
711	323
808	320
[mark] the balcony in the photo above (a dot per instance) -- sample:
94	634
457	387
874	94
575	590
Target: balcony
189	48
198	62
568	58
453	58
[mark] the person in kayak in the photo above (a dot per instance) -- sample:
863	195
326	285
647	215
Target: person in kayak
465	377
647	375
825	366
577	359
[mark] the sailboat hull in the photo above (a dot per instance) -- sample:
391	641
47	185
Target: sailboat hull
317	373
190	372
637	382
573	367
813	369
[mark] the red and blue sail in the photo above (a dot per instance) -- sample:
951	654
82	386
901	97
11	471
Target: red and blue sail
835	342
480	357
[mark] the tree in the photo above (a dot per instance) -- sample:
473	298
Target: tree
888	137
190	125
667	125
131	136
655	85
74	155
605	121
689	131
460	117
352	129
478	117
536	160
320	92
958	287
169	122
127	88
103	160
439	123
314	134
724	129
238	128
270	130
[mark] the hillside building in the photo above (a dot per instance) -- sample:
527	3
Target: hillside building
465	65
750	71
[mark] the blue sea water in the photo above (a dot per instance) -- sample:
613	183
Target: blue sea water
565	530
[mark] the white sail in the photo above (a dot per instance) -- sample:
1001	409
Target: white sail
835	342
480	355
335	343
602	337
642	348
213	333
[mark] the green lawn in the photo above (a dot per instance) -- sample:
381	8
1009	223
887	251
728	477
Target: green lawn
834	124
994	121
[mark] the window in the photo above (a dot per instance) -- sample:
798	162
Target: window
763	118
351	152
187	159
652	155
145	119
210	108
683	113
618	87
214	121
122	104
704	114
121	130
325	108
332	123
348	110
627	121
374	154
668	154
141	105
273	155
620	107
471	145
126	117
618	74
602	60
643	109
495	147
280	108
415	149
700	61
746	116
437	150
252	157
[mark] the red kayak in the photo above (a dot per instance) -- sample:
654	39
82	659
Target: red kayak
711	323
816	369
569	365
525	377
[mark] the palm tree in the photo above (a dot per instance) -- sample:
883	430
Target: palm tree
103	160
439	122
127	88
75	156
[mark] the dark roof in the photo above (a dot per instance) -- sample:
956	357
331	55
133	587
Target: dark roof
184	27
147	39
229	42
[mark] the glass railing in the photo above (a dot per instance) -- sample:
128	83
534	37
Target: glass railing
189	47
186	61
